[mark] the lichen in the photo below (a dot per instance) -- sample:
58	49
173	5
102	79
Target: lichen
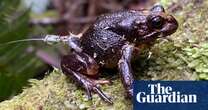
183	56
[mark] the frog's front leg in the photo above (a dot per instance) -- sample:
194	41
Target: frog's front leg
83	69
125	68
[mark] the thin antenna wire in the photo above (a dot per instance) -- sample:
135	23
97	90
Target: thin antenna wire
23	40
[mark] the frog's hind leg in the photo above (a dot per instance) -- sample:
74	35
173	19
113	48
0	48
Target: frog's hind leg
81	67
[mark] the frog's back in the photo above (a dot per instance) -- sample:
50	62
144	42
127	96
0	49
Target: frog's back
103	46
101	42
109	20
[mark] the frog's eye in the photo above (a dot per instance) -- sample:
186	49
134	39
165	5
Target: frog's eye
156	22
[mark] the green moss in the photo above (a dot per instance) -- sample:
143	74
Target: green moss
182	57
197	58
58	92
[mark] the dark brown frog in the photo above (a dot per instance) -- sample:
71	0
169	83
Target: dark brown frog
111	42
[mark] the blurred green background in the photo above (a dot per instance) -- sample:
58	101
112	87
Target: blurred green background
17	64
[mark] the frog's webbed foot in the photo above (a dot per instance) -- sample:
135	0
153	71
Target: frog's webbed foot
91	85
81	67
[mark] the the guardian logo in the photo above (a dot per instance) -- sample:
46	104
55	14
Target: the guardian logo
164	94
170	95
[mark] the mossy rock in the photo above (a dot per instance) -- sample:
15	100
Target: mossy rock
56	91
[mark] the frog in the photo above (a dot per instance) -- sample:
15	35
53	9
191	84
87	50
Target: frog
112	41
